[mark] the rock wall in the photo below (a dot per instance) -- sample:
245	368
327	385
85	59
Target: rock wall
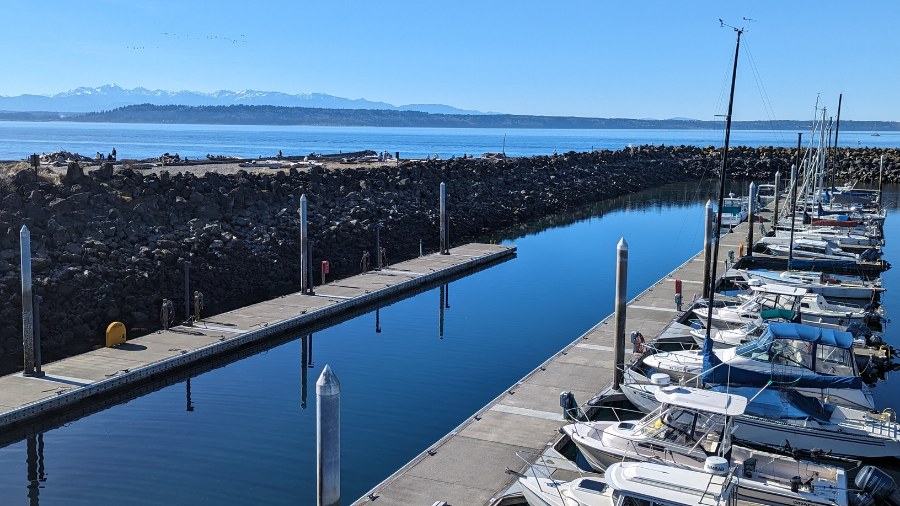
110	246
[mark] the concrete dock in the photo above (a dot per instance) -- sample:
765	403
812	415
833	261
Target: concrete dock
469	465
83	378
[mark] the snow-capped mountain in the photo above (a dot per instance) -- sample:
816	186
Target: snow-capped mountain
111	96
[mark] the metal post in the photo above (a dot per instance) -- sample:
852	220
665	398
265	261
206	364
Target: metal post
444	219
187	293
707	246
37	336
328	439
27	301
880	181
621	284
751	216
304	247
378	246
420	248
777	191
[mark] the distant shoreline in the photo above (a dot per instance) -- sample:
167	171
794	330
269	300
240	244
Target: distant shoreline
301	116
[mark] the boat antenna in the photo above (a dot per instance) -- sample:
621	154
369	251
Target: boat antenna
718	230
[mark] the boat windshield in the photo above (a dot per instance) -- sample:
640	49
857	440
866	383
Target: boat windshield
685	427
792	352
834	361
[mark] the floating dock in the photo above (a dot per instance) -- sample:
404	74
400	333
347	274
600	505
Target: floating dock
89	376
477	462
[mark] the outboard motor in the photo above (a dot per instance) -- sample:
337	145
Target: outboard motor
870	255
876	487
570	407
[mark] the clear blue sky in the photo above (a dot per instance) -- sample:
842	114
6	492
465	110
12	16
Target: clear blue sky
655	59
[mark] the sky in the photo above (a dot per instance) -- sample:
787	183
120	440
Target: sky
616	59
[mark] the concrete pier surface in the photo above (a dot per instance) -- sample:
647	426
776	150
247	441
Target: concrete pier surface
82	378
476	463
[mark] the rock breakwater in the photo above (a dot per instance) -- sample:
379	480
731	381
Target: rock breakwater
110	244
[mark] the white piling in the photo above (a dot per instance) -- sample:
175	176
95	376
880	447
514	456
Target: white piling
777	197
751	217
304	248
27	301
328	439
707	245
621	300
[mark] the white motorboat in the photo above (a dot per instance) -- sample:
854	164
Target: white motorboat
772	300
729	338
816	362
812	249
817	282
692	425
785	419
635	483
734	211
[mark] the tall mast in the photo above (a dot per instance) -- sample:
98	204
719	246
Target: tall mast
837	128
718	231
793	205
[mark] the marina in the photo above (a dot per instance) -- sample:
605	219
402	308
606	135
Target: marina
65	383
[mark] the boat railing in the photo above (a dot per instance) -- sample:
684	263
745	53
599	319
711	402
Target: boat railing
542	467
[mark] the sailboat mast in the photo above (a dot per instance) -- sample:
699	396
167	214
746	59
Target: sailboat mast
837	128
718	231
793	206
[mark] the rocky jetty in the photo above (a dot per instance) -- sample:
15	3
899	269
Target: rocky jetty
109	244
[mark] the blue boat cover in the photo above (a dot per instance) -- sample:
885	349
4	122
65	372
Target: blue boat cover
781	404
715	373
804	332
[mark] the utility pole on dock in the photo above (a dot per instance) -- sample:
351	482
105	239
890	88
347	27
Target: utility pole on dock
27	301
443	218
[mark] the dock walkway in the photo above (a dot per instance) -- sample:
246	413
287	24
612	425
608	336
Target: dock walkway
469	465
83	377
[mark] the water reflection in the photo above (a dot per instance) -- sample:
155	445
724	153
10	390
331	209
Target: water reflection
187	391
34	445
306	362
378	321
676	195
441	327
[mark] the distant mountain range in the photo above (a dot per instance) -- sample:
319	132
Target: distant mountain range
110	96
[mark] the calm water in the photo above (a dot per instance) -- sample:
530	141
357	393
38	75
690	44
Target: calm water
19	139
245	436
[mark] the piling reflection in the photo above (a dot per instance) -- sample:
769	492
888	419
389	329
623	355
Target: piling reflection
187	392
378	321
306	362
34	445
445	304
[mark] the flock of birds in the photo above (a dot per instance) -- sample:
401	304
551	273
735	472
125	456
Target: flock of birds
242	39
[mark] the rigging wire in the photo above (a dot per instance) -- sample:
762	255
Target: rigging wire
764	96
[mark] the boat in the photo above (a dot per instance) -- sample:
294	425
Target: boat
692	425
784	420
734	211
635	483
818	282
729	338
816	249
769	301
816	362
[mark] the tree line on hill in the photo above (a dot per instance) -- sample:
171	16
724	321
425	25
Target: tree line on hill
280	115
